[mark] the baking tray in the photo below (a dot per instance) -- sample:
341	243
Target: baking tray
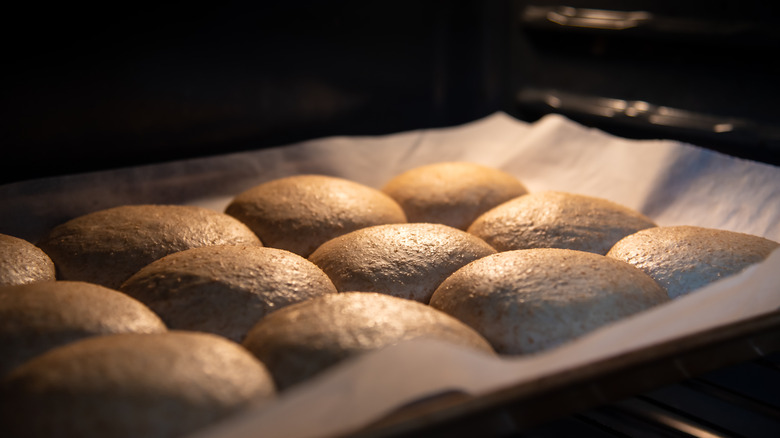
672	182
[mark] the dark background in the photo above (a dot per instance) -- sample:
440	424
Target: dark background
88	88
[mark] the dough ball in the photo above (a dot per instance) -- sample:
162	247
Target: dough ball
403	260
132	385
526	301
225	289
685	258
299	213
37	317
21	262
558	220
452	193
108	246
303	339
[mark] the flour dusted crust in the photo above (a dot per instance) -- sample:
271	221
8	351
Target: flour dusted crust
299	213
37	317
225	289
685	258
132	385
558	220
108	246
21	262
303	339
404	260
452	193
526	301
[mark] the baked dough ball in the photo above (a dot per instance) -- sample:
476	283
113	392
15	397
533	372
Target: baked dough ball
37	317
558	220
685	258
299	213
21	262
225	289
303	339
132	385
108	246
526	301
452	193
404	260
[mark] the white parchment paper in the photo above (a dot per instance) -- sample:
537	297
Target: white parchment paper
671	182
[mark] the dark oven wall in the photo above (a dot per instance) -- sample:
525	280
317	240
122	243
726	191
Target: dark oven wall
91	87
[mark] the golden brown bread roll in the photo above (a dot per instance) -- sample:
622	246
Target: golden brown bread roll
108	246
303	339
558	220
685	258
131	385
39	316
452	193
225	289
299	213
21	262
526	301
403	260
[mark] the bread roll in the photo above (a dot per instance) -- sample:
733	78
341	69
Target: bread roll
526	301
403	260
299	213
225	289
685	258
303	339
131	385
108	246
39	316
21	262
558	220
452	193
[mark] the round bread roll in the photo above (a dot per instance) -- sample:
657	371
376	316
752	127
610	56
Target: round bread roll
225	289
303	339
685	258
558	220
526	301
452	193
132	385
404	260
108	246
37	317
21	262
299	213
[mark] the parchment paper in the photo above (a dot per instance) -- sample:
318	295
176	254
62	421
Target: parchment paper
671	182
